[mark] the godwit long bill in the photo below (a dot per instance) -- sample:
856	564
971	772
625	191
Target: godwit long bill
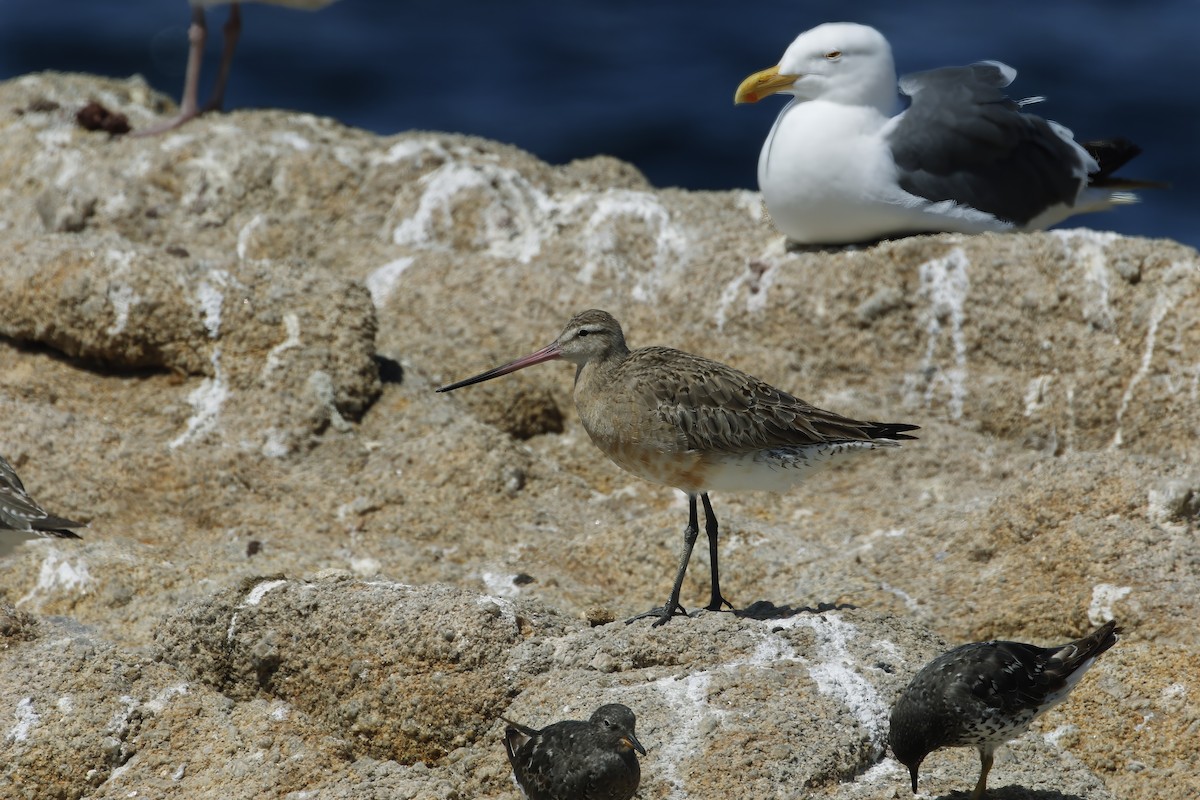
698	425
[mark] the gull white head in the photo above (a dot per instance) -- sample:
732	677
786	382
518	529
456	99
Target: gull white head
840	62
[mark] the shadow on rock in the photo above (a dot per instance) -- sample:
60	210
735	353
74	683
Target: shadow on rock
765	609
1014	793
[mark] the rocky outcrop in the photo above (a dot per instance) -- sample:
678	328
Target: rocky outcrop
307	572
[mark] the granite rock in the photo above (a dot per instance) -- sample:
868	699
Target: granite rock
219	347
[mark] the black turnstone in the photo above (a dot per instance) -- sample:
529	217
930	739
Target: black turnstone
577	760
984	694
19	512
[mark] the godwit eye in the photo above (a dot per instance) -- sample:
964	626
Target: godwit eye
833	55
582	332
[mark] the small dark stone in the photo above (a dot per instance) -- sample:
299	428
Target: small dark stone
390	370
95	117
42	105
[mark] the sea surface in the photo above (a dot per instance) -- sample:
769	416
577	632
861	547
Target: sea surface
650	81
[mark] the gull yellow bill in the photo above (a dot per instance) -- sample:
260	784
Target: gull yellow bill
763	84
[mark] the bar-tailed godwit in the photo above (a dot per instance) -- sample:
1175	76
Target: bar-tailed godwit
698	425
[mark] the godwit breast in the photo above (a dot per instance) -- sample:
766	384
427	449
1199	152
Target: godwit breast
685	421
19	512
197	35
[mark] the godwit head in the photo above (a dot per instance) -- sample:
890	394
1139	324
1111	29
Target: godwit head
590	336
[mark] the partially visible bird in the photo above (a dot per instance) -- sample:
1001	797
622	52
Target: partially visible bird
986	693
686	421
841	166
19	511
197	36
577	760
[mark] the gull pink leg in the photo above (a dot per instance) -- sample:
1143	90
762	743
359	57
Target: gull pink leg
189	106
231	31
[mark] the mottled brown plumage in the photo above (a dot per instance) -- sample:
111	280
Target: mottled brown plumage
686	421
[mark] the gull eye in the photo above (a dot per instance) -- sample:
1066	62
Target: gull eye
833	55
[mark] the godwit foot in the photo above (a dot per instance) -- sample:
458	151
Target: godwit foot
661	613
719	603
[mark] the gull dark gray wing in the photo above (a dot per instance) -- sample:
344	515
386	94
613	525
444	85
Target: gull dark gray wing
963	139
1111	155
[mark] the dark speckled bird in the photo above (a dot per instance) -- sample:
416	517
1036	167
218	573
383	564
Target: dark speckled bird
686	421
984	694
577	760
19	512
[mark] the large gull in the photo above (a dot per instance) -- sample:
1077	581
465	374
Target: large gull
840	166
197	35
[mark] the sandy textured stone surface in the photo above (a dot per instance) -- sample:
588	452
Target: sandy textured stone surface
307	572
441	684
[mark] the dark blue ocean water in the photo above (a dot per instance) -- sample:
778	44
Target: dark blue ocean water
651	81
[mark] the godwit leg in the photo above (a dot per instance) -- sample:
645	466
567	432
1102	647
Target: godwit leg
231	31
672	607
189	106
717	601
